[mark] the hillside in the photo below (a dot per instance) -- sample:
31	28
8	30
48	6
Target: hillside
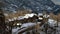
34	5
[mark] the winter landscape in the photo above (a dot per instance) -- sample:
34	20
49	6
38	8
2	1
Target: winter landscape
29	16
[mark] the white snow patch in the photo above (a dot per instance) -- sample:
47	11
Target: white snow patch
40	18
29	15
9	19
40	14
46	16
14	30
15	18
52	22
28	25
20	17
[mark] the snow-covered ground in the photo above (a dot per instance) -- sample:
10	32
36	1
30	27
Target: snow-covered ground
51	23
26	25
22	17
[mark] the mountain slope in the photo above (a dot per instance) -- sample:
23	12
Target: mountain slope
34	5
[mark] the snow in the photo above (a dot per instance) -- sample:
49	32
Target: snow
40	18
28	25
46	16
20	17
14	31
40	14
9	19
20	30
29	15
52	22
26	16
15	18
24	26
19	24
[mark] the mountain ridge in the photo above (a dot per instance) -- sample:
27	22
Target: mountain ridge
34	5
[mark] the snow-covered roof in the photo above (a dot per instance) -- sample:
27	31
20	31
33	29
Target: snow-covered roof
15	18
10	19
51	21
20	17
40	18
46	16
26	16
29	15
40	14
